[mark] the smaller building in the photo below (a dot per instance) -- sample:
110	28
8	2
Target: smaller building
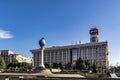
21	59
9	56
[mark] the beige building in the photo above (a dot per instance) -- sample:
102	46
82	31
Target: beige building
94	52
21	59
9	56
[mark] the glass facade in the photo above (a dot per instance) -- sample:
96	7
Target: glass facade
74	54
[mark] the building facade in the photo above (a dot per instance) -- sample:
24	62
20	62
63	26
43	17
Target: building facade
94	52
21	59
9	56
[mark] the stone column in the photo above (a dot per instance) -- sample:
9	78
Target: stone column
42	58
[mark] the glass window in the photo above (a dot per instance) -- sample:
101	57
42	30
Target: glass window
74	54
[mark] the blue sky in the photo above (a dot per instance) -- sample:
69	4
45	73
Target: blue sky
61	22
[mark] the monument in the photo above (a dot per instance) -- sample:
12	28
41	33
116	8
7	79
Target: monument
42	71
42	68
42	43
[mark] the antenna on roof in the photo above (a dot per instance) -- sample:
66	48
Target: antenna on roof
79	41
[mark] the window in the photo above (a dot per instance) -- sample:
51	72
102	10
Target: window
74	54
93	39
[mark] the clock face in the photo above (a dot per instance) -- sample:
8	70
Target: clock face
94	31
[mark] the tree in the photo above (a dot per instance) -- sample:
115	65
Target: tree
15	61
118	68
80	64
60	65
47	65
2	63
87	64
55	65
94	68
68	66
24	64
10	65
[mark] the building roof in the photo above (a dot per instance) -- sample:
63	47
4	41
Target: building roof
72	46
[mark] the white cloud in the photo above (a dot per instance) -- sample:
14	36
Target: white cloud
5	34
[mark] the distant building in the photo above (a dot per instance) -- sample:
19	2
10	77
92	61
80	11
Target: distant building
21	59
94	52
9	56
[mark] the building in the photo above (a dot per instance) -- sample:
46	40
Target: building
9	56
21	59
94	52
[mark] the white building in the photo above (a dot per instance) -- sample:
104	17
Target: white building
21	59
94	52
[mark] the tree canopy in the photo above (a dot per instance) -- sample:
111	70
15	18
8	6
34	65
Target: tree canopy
15	61
2	63
94	68
80	64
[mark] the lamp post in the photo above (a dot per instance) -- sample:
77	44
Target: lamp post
42	43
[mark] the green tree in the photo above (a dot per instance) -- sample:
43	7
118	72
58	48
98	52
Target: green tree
15	61
10	65
19	64
94	68
55	65
80	64
68	66
60	65
87	64
2	63
24	64
47	65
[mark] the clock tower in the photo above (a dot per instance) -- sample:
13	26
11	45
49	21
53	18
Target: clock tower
93	35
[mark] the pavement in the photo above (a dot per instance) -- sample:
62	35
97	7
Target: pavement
113	75
44	73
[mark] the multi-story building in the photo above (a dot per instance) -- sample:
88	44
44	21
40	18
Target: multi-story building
94	52
9	56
